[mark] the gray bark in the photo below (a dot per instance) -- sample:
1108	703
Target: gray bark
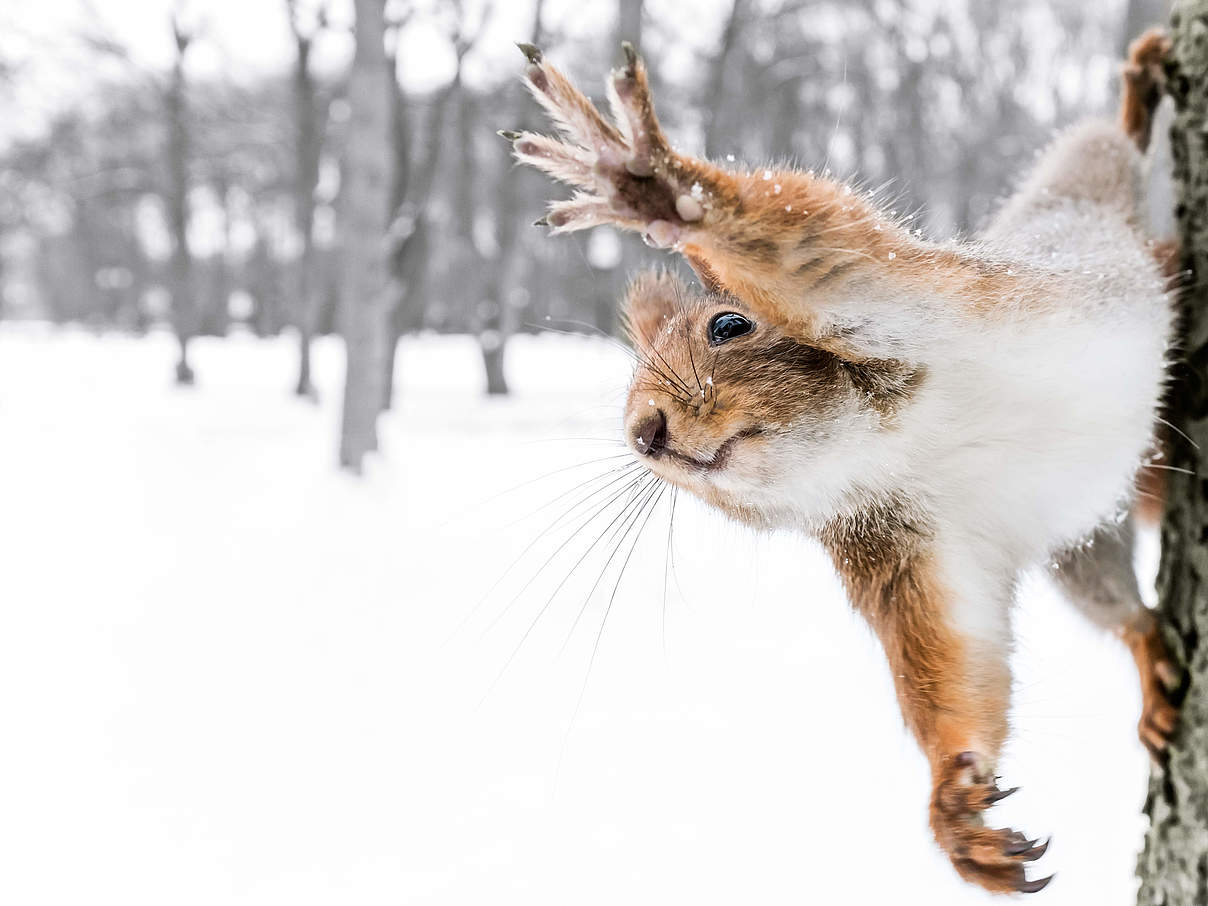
365	292
1173	866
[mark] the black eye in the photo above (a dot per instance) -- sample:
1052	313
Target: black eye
727	326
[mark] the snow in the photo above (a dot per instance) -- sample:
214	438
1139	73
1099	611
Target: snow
232	674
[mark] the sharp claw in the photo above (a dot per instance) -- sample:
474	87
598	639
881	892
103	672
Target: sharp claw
541	221
631	56
1168	674
1031	855
999	795
1022	846
531	52
1035	886
509	134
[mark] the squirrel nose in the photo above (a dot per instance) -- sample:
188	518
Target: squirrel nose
649	434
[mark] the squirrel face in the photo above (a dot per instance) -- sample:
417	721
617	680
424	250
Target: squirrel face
739	412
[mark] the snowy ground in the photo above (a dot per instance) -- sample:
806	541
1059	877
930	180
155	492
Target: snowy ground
229	674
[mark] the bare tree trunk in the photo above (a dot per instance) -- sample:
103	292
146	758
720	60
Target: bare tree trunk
716	85
499	322
1174	864
184	314
629	24
306	176
365	302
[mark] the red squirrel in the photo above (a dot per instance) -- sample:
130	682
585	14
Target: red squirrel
940	416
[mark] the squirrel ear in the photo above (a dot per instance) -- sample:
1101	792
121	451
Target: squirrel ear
652	298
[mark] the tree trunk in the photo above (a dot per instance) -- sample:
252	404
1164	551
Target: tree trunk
365	297
715	95
184	314
306	177
1174	863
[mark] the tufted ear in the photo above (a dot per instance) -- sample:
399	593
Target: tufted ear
652	298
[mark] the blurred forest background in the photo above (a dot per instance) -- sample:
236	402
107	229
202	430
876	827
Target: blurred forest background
358	186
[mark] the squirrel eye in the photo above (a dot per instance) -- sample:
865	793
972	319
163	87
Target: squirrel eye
727	326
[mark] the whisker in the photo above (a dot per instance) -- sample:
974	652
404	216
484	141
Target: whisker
540	613
624	471
666	566
1179	431
650	492
597	511
525	484
1179	469
595	648
566	514
618	470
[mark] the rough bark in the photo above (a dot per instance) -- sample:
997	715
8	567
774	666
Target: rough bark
365	294
1174	863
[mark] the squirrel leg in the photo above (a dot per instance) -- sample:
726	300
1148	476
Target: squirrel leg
954	689
1144	82
1099	580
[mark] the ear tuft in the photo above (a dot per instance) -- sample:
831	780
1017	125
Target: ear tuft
652	298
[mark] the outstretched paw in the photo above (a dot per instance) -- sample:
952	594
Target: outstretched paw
624	169
1144	77
991	857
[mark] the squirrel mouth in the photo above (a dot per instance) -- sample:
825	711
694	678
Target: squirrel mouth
720	457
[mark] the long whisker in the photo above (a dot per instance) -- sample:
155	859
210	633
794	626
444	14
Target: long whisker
531	481
666	567
628	486
1180	432
536	619
650	492
595	648
1180	470
566	514
617	470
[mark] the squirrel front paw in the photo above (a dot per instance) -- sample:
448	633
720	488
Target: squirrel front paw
625	170
991	857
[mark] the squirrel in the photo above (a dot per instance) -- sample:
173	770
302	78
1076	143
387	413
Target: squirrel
940	416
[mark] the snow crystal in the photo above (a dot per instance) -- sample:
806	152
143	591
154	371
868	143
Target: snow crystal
892	255
776	189
767	174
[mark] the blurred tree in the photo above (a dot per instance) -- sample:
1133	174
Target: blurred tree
308	145
364	199
1174	864
418	157
184	313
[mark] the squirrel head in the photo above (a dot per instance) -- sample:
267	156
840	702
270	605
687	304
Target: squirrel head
743	414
